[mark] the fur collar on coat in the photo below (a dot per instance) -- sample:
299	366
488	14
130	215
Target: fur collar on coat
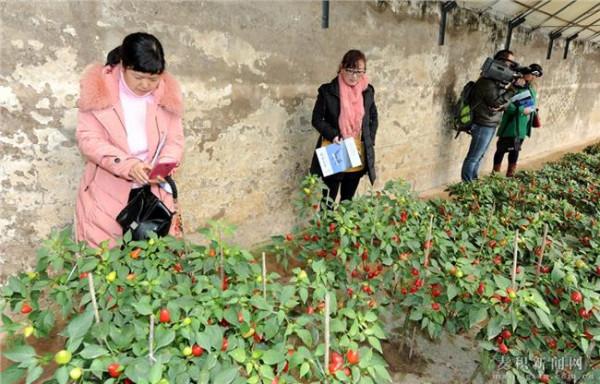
99	89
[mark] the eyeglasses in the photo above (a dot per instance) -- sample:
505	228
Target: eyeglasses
356	72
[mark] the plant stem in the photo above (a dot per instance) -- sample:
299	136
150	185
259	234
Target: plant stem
151	340
93	295
264	275
412	342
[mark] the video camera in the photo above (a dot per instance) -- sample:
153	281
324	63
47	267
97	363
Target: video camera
498	70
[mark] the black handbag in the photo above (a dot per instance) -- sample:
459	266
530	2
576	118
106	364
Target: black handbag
146	213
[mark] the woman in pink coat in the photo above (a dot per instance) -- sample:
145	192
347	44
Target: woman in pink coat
126	110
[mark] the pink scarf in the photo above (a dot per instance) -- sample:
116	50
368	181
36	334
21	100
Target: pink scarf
352	108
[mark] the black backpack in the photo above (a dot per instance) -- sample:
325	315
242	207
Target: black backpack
462	118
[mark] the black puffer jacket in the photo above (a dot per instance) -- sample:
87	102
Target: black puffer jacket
486	95
325	120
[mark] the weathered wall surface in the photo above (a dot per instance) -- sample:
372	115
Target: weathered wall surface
250	71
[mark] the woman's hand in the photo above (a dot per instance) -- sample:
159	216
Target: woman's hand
160	180
140	172
337	140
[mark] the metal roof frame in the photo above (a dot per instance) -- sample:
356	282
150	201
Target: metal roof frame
570	20
569	23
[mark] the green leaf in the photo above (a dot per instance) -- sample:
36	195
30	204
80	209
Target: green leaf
46	321
375	343
494	327
98	367
21	354
476	315
539	300
337	326
370	316
353	329
416	315
80	325
544	318
273	356
239	355
584	344
502	282
510	378
303	294
226	376
211	338
12	374
271	328
155	373
88	265
163	337
349	313
138	369
33	373
382	374
62	375
286	294
304	369
305	336
92	351
557	274
15	285
377	331
143	307
73	343
260	303
452	291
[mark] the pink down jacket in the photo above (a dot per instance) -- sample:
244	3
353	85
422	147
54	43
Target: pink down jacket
102	140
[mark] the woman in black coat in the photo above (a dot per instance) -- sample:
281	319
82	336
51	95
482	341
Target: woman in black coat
345	108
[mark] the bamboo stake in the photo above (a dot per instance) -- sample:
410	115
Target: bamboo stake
412	343
264	274
151	340
72	271
543	247
77	256
326	330
93	294
515	253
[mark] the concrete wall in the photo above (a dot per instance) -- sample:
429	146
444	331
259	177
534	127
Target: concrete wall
250	71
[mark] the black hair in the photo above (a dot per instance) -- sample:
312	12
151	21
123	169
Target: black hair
140	52
351	59
503	54
536	68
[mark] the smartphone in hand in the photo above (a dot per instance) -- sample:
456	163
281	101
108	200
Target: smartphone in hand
162	170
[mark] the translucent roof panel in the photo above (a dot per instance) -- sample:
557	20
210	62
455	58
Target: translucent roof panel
568	17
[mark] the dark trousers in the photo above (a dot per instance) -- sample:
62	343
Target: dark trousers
506	144
347	182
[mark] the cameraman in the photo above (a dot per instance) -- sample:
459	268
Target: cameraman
488	99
